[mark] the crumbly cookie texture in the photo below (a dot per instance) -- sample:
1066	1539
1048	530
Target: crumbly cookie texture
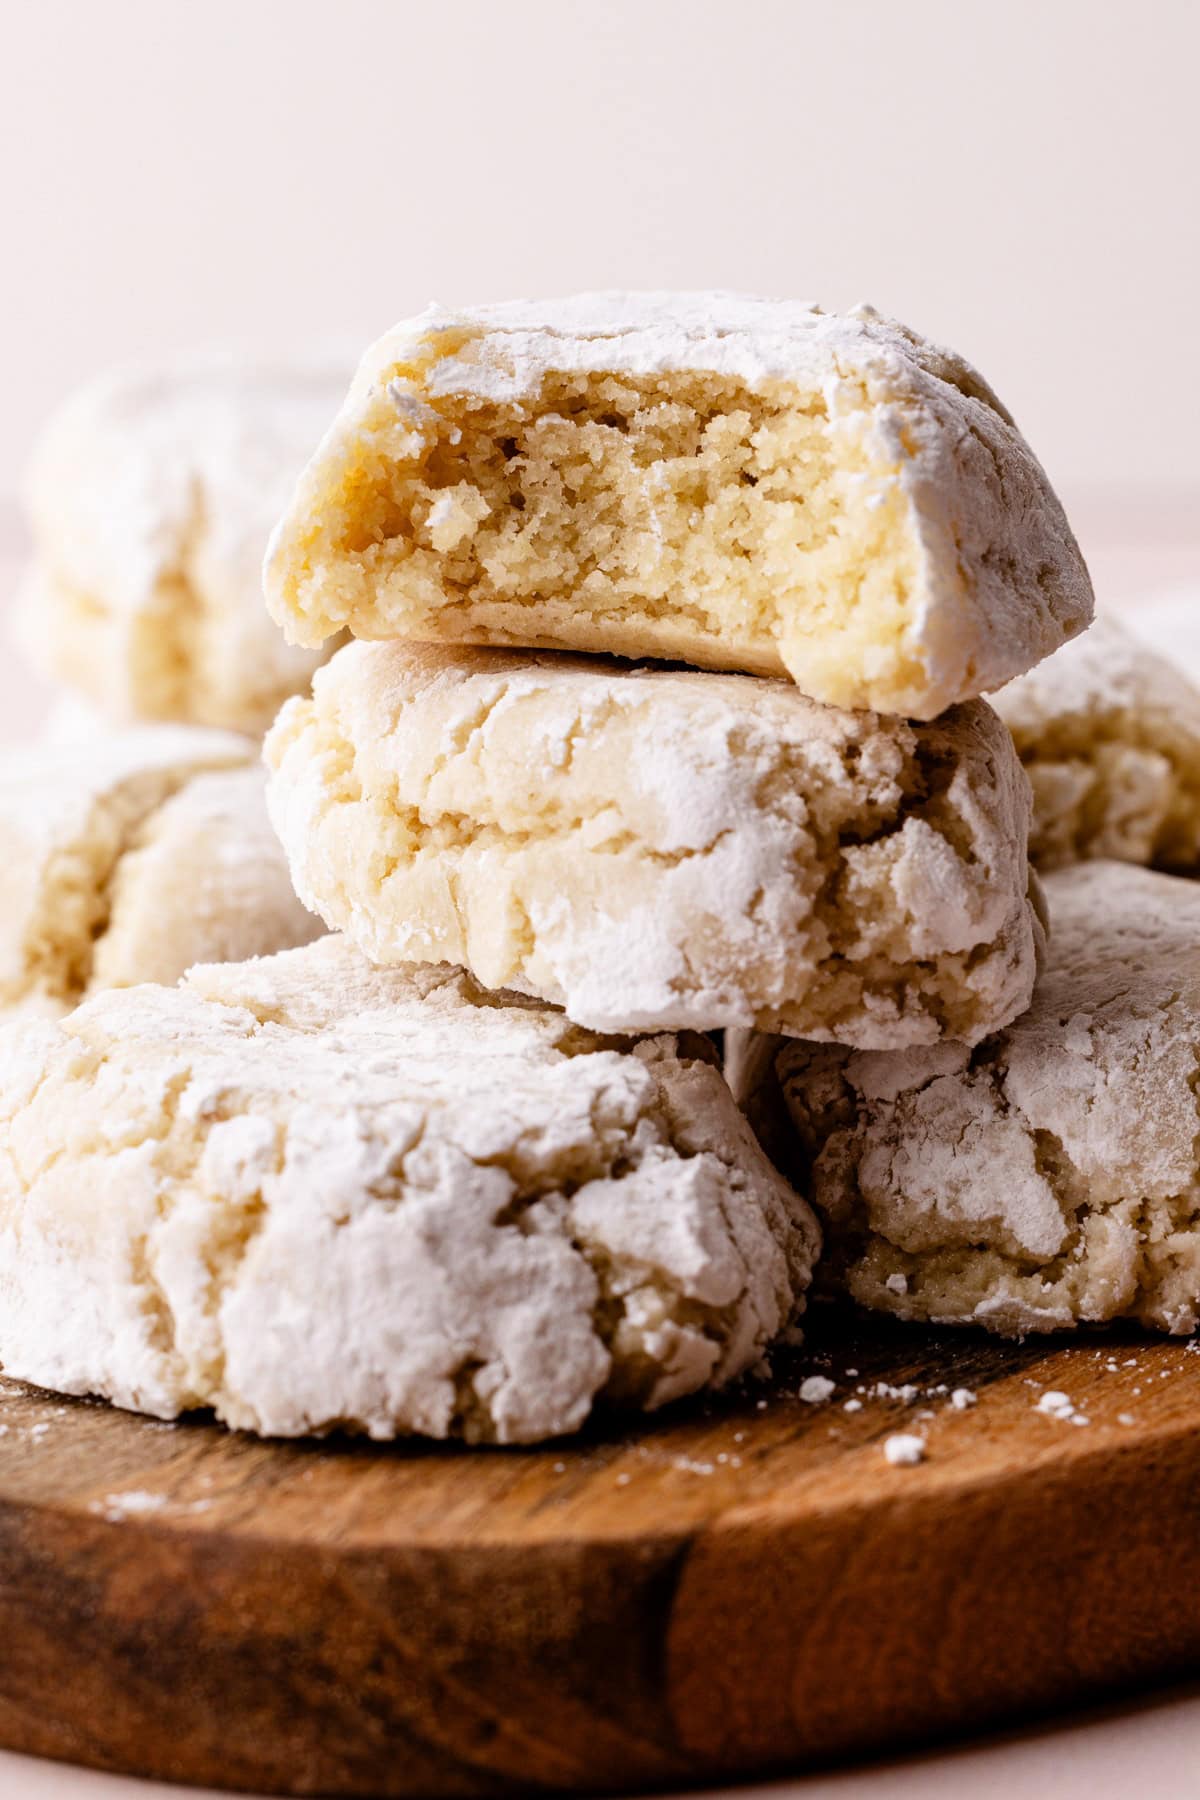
1050	1175
1109	733
312	1194
151	496
736	483
660	848
130	857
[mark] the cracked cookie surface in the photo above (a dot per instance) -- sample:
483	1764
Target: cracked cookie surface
1049	1176
129	856
313	1194
729	482
151	496
1109	733
659	847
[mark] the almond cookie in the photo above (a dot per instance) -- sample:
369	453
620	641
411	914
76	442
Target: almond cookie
1050	1175
151	497
1110	737
131	857
1169	622
741	484
658	847
312	1194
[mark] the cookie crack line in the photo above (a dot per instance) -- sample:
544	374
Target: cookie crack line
713	850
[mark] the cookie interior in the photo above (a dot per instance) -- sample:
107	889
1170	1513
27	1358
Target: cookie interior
681	512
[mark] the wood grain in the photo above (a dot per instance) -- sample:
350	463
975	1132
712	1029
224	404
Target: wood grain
737	1587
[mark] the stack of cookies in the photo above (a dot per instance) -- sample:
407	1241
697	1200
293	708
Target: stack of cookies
662	729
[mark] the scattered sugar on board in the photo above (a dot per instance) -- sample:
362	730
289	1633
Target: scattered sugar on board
691	1467
136	1504
815	1389
883	1390
903	1449
1057	1405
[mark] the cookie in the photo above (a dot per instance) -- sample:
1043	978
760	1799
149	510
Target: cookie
1109	733
662	848
312	1194
1169	622
151	496
131	857
740	484
1050	1176
73	720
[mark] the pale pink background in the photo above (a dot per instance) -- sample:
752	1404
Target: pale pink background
1019	181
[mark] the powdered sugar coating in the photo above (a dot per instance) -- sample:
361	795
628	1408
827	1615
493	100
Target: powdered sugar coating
314	1194
151	495
1168	622
655	848
1050	1175
127	857
1109	732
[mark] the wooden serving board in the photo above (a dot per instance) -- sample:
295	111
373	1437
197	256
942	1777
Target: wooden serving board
742	1586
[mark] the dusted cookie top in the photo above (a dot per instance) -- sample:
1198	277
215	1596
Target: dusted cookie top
1050	1175
657	847
1109	733
151	495
131	856
740	484
312	1194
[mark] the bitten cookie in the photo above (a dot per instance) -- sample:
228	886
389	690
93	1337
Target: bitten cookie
151	496
131	857
1049	1176
741	484
312	1194
1110	737
655	847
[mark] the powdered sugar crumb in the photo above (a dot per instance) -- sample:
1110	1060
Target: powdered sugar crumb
136	1504
1057	1405
815	1389
903	1449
